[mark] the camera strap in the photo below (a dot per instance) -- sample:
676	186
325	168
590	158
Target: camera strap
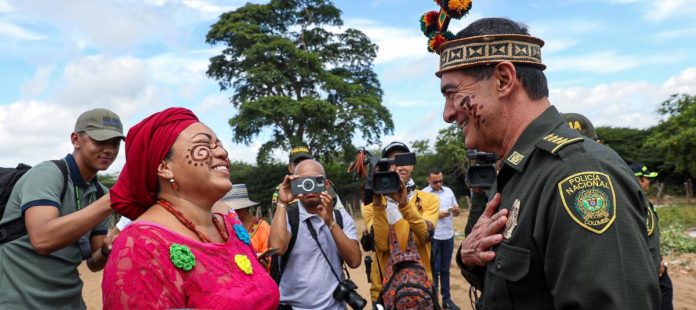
316	239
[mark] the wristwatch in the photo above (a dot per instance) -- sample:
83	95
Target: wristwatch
105	251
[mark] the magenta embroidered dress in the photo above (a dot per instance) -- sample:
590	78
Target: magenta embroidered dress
140	273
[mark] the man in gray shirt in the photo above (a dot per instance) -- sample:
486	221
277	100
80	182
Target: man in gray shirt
309	279
39	269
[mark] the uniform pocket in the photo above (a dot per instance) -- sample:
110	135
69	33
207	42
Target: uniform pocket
511	263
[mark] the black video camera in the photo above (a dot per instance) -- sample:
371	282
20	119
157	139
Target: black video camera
345	292
481	173
308	185
380	180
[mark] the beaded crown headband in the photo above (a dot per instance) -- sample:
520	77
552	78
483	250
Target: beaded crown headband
478	50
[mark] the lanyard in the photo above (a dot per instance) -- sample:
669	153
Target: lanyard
78	198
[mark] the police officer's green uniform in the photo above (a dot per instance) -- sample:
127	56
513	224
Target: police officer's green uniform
575	210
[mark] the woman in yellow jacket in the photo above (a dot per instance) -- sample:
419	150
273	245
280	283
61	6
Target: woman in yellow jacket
408	210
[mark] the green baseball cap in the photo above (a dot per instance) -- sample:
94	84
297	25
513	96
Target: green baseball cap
100	125
580	123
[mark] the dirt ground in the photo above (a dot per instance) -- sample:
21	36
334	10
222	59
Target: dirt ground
681	269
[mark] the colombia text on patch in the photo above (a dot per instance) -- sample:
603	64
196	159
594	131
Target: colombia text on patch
589	199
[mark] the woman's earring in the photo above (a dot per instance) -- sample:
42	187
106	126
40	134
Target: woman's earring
175	186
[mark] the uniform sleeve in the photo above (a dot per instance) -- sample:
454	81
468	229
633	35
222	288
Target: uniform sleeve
349	226
42	186
126	286
594	235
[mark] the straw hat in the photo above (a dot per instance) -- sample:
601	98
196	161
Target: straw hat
238	197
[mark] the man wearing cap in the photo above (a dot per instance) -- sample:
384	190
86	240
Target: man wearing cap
237	200
569	231
583	125
297	155
643	176
410	210
39	270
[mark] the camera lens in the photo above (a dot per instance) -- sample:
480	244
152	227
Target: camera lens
308	185
386	183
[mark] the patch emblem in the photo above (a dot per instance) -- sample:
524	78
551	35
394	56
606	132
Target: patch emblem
515	158
512	219
589	199
650	222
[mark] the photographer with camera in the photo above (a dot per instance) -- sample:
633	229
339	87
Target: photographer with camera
313	240
407	209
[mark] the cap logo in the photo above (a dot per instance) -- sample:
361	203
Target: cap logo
575	125
299	149
112	122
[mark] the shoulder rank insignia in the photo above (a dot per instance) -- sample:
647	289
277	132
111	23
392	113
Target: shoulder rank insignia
589	199
650	222
554	142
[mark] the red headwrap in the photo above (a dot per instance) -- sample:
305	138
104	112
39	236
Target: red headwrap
147	144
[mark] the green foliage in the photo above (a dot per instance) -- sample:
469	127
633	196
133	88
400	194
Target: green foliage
675	137
673	221
673	240
290	74
629	143
107	180
261	180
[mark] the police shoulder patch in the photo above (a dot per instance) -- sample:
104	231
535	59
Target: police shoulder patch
650	222
589	199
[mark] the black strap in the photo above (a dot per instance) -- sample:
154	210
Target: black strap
316	239
15	229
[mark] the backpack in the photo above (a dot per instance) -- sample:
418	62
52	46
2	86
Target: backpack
8	178
406	285
278	263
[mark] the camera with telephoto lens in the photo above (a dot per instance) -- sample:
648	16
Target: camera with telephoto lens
308	185
380	180
345	292
481	173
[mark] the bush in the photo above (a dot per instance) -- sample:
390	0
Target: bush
674	221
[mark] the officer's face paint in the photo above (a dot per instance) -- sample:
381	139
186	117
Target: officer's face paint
468	102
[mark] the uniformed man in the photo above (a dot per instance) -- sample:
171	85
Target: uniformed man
583	125
569	230
297	155
643	176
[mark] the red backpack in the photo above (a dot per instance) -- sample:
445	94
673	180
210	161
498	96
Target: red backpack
406	285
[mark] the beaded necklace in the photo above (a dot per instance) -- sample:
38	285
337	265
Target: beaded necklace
186	222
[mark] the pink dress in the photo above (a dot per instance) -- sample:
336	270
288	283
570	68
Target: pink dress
141	275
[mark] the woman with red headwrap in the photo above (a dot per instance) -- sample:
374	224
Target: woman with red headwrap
178	253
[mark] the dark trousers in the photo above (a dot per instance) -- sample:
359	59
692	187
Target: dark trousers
441	258
666	291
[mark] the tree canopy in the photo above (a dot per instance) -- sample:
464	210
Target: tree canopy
295	73
675	136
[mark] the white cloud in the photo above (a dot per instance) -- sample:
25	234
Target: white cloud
5	7
18	32
608	62
665	9
623	104
37	84
207	7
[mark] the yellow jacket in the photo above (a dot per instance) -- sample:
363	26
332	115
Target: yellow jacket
423	206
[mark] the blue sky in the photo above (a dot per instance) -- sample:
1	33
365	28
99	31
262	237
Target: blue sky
612	60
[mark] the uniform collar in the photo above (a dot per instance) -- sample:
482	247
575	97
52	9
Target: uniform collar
537	129
75	175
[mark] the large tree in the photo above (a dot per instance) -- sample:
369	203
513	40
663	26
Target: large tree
294	72
675	136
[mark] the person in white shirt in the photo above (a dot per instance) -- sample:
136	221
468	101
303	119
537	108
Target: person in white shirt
443	240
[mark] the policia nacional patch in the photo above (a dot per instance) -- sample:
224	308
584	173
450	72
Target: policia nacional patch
590	200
